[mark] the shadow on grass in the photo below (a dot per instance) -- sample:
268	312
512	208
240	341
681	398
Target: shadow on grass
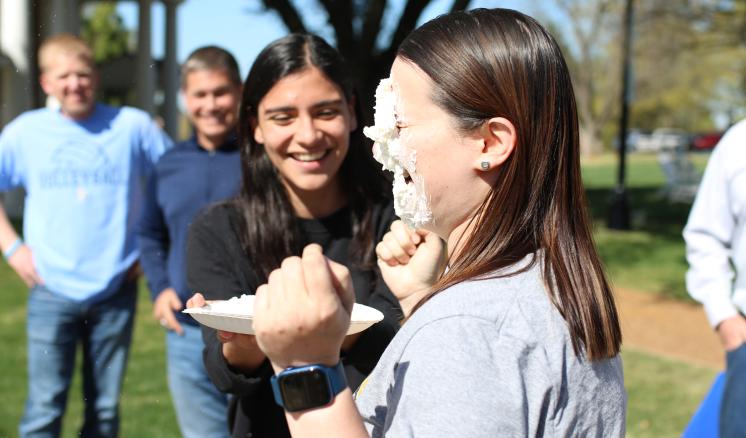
649	210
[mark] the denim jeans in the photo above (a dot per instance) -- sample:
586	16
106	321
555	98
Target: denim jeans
55	326
201	409
733	405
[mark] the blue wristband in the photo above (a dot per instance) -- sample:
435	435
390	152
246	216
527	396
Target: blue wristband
8	253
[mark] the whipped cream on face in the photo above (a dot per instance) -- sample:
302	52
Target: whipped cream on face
411	202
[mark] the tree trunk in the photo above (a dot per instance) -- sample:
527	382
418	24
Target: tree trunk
590	140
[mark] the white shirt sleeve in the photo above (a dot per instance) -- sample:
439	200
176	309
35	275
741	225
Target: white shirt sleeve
709	236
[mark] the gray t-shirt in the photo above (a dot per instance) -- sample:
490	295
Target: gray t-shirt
491	358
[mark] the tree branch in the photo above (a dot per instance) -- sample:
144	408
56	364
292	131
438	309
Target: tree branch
407	22
288	14
372	25
340	17
460	5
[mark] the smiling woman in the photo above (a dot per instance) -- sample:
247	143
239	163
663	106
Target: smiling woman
308	177
304	123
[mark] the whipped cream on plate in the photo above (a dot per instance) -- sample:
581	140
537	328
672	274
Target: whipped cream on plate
243	305
236	315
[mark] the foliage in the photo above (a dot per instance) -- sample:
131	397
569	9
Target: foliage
593	29
704	63
103	29
689	64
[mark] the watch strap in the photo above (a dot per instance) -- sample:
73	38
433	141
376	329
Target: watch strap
335	378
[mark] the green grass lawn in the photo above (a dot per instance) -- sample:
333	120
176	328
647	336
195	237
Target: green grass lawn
663	393
146	405
650	257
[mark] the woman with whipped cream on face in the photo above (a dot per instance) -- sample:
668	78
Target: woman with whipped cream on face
519	335
307	177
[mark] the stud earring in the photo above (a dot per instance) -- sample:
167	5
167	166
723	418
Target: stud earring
485	165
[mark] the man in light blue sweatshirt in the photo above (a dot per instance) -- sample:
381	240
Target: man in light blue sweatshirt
82	166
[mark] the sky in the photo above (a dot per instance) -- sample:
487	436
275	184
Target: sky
243	28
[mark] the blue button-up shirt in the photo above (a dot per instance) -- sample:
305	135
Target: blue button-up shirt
187	178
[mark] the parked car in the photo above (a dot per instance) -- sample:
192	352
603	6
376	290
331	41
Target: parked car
633	136
663	139
705	142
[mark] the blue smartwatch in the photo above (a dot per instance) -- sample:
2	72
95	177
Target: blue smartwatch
308	387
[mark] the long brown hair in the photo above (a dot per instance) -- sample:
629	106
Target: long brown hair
271	231
500	63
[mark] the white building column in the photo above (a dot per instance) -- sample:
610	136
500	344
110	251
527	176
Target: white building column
64	16
15	43
171	72
144	65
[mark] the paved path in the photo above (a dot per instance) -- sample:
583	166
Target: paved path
668	328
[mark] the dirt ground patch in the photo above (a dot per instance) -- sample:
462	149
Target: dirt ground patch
668	328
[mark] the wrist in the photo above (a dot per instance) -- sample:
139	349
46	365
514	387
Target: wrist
308	387
279	368
246	358
12	248
411	301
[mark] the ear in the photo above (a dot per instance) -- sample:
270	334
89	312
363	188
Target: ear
351	109
96	79
498	137
257	130
44	82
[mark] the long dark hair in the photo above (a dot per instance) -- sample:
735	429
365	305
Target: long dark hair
501	63
271	231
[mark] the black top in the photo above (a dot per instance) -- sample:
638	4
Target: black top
218	268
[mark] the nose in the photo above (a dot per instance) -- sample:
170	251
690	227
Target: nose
210	102
73	81
307	133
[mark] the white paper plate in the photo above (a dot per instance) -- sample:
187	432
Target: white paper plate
215	315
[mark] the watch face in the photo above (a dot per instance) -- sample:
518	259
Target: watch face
305	390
